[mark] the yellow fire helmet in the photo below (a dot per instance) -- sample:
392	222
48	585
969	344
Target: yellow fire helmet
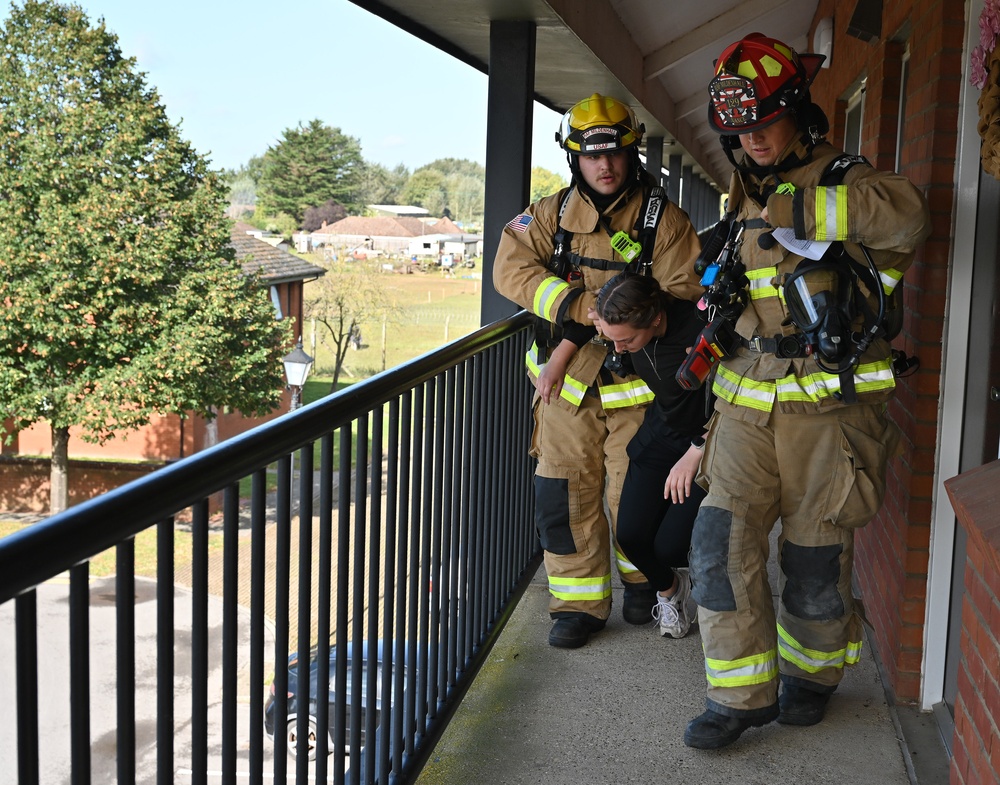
599	125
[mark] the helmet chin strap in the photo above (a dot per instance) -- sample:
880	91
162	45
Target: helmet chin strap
791	161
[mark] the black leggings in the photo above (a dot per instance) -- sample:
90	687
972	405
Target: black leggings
653	532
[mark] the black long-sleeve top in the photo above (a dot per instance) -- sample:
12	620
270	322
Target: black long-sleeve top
657	362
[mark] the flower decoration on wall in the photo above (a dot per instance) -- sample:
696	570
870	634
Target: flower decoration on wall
985	75
989	29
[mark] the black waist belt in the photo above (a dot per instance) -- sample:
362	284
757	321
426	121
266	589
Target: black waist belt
760	344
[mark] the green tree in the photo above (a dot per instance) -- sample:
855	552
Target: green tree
241	185
466	198
544	182
310	165
380	185
349	295
426	188
458	166
121	295
454	184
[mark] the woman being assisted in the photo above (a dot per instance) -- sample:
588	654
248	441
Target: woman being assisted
660	498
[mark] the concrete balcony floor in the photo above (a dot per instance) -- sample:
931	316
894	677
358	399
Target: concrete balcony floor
615	711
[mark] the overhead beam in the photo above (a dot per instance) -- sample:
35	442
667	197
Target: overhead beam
601	30
722	26
693	104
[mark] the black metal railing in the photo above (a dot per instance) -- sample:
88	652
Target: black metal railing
386	530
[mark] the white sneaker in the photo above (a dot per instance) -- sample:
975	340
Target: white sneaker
676	613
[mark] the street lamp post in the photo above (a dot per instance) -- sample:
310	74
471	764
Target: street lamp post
297	366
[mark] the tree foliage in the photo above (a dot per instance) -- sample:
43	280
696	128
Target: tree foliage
310	165
545	182
380	185
121	295
349	295
327	213
426	188
455	185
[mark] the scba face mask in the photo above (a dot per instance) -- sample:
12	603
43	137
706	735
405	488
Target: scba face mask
826	303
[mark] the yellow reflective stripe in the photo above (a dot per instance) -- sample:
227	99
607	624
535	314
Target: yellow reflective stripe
629	393
531	360
624	565
813	660
598	588
573	390
761	283
869	377
755	669
831	213
546	294
740	391
890	279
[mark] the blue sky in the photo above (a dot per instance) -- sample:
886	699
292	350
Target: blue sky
236	75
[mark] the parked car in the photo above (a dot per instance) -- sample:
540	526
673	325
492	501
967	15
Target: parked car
291	726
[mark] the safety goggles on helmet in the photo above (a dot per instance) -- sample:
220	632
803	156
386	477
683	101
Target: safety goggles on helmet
599	125
757	81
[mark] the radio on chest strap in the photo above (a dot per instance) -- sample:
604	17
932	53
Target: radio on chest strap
564	261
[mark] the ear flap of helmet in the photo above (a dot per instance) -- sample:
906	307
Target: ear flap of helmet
813	119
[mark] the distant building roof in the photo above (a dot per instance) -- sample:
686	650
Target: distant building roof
273	264
398	209
446	226
384	226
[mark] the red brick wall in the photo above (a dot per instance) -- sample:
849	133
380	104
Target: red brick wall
158	441
975	496
24	482
892	551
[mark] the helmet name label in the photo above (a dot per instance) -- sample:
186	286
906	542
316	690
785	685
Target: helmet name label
599	130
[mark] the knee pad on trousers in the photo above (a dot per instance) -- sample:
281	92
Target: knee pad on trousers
811	578
552	515
709	560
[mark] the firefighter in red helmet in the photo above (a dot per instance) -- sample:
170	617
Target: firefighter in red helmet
800	430
553	259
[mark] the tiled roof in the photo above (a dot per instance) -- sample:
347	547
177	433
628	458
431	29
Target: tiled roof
274	264
382	226
386	226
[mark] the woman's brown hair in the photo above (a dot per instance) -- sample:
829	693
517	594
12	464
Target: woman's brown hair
632	299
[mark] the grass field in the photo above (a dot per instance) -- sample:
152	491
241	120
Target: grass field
430	310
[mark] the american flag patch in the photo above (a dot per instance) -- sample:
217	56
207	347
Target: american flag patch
520	223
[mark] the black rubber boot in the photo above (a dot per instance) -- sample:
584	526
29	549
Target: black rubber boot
638	602
572	632
712	730
801	706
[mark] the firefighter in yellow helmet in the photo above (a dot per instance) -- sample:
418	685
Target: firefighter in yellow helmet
800	429
553	258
